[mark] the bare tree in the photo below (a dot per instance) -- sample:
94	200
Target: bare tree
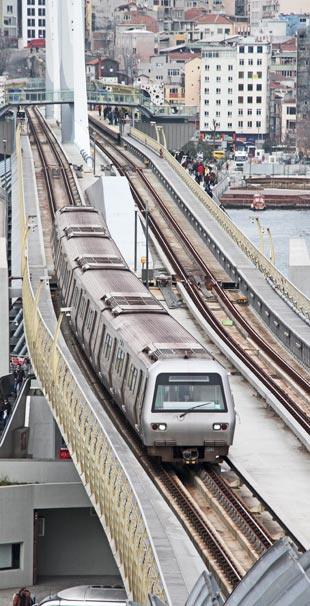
5	53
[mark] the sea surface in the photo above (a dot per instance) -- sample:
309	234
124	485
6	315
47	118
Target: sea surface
283	225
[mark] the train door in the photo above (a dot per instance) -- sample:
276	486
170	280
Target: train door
138	405
98	345
83	327
123	387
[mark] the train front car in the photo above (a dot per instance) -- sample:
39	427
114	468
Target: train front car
188	412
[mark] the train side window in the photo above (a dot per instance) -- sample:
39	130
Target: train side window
82	306
75	295
119	362
107	346
89	319
132	377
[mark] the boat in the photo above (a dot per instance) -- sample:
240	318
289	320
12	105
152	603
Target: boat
258	202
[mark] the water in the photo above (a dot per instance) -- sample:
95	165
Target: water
283	225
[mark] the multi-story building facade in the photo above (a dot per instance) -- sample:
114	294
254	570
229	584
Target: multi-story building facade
303	91
33	20
9	19
234	89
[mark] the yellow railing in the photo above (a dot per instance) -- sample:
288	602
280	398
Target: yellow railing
275	278
100	469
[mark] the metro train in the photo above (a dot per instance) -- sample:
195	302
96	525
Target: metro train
171	390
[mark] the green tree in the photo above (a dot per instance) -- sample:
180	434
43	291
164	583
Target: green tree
5	53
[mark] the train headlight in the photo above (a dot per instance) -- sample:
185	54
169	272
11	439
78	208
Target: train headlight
220	426
159	426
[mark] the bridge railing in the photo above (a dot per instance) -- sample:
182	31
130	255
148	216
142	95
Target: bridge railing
100	469
281	284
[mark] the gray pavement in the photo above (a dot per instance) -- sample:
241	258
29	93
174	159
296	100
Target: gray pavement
51	585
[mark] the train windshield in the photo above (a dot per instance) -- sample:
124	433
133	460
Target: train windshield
179	392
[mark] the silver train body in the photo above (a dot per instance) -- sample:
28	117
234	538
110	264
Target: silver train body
173	393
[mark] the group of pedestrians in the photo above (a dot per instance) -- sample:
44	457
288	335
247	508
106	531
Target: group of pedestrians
203	174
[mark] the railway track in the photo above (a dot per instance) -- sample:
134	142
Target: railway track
229	535
296	402
244	537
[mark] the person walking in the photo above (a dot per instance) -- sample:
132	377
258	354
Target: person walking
19	375
22	598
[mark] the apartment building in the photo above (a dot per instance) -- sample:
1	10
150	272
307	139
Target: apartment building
303	91
9	19
33	20
234	88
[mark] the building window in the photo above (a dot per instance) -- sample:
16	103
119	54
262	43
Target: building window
218	78
230	68
31	33
250	86
229	91
250	124
206	114
41	22
250	75
249	112
258	99
240	112
10	556
258	112
229	125
259	62
258	87
259	74
241	75
241	61
230	78
41	33
250	99
207	90
240	87
291	111
218	102
258	124
218	91
250	61
30	12
259	49
229	114
240	99
31	22
206	101
241	49
9	9
207	79
229	102
207	67
240	124
218	114
41	12
250	49
218	68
